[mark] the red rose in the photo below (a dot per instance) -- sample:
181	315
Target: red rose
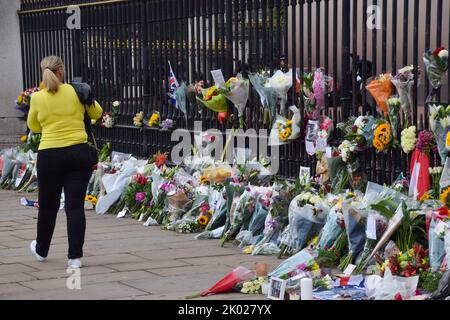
437	51
398	296
444	211
223	117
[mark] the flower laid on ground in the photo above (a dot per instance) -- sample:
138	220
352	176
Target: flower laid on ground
138	120
323	283
154	120
253	286
187	227
408	139
413	262
91	199
159	159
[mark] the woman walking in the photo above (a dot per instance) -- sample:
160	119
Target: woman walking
64	160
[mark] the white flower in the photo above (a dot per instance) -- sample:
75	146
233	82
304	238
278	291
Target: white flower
108	122
408	139
445	122
443	54
441	229
116	104
407	69
315	200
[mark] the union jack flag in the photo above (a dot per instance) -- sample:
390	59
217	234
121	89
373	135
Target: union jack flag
173	85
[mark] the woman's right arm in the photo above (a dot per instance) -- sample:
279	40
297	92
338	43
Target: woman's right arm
32	120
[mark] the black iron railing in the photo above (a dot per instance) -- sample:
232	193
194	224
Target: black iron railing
123	49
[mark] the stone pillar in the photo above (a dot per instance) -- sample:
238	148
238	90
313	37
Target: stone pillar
11	127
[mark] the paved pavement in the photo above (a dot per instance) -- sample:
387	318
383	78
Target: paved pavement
123	259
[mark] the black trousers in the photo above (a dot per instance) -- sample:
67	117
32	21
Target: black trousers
69	168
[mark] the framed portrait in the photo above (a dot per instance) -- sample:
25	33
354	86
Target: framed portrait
277	288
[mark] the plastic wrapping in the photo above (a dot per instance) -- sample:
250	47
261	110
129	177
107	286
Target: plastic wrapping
436	246
212	234
302	257
281	82
332	228
267	94
388	287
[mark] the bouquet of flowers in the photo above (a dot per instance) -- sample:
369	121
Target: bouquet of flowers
440	125
154	119
266	92
213	99
285	130
334	226
436	64
411	263
281	83
23	100
381	90
307	214
439	225
394	104
237	90
404	83
408	139
382	136
359	136
109	119
315	87
138	120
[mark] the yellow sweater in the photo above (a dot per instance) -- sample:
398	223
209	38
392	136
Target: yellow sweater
60	117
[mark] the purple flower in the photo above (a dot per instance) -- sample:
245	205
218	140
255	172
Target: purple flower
167	124
140	197
425	142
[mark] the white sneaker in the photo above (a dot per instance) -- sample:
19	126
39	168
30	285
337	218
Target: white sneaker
33	251
74	263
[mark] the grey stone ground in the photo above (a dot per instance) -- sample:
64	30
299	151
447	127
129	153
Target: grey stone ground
123	259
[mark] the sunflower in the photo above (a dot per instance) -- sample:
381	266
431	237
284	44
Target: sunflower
445	197
285	134
447	140
379	146
203	220
89	198
383	133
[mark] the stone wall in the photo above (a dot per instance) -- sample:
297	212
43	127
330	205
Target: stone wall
11	127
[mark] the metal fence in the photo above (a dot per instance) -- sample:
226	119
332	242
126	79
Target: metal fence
123	49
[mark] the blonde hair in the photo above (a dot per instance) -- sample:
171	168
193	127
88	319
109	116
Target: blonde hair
49	66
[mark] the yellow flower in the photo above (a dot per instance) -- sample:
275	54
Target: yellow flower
203	180
19	99
315	267
289	123
411	252
426	196
447	140
203	220
445	197
314	241
285	134
383	134
379	146
24	139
